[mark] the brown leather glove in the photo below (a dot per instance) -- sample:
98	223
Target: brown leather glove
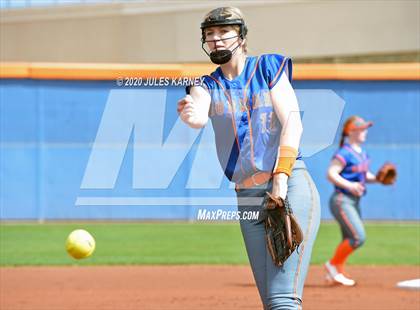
283	233
387	174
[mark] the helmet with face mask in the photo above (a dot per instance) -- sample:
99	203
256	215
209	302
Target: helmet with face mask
219	17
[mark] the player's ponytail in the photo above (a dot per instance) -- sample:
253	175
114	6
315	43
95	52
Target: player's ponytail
346	128
343	137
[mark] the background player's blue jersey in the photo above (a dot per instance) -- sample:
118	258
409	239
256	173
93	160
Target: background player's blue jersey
247	130
356	165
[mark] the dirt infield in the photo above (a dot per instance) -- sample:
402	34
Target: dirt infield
190	287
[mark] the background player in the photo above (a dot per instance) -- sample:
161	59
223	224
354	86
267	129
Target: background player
349	173
255	116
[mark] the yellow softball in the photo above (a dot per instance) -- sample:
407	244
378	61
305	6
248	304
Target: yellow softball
80	244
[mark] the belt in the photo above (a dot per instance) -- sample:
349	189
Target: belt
256	179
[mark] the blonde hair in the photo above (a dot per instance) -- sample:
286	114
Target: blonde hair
228	12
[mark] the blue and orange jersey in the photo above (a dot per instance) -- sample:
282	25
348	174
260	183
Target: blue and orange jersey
247	131
356	165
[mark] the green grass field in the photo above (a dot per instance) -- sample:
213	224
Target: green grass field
189	243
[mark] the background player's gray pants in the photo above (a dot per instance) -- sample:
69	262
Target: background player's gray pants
346	210
282	287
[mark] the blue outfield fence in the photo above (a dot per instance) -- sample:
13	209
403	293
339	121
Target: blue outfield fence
48	129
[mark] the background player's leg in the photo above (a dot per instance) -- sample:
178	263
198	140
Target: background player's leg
345	210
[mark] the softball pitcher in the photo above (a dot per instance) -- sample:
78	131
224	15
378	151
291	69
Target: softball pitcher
257	126
349	173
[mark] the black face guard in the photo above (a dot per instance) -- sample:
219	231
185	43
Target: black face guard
222	56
